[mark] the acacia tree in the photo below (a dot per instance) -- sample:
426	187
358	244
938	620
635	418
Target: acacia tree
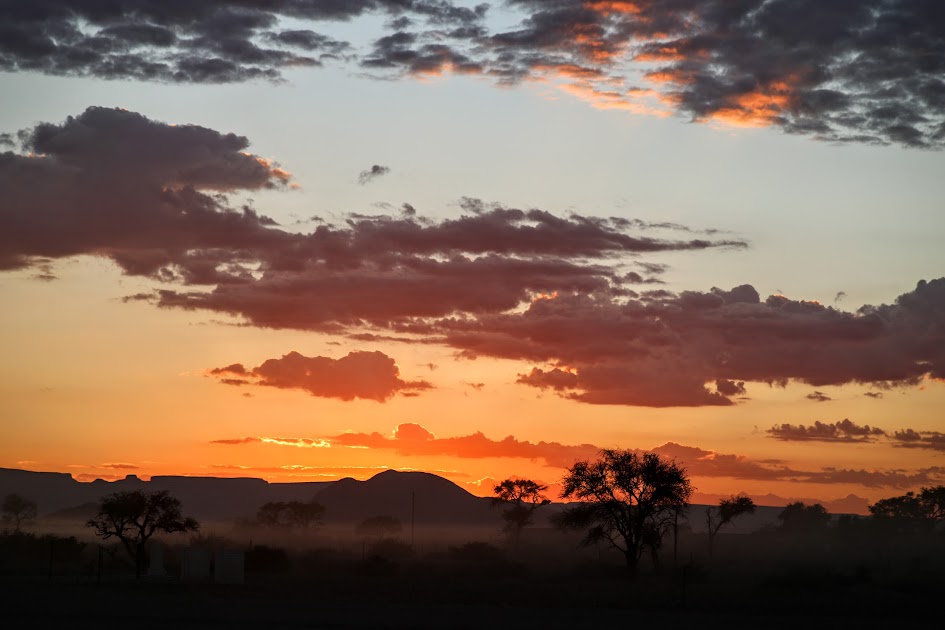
134	517
727	511
912	511
520	497
17	510
626	498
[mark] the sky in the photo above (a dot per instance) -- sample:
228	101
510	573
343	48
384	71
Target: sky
309	239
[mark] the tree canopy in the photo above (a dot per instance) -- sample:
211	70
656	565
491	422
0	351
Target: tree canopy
134	517
912	511
379	526
17	510
728	510
520	498
625	498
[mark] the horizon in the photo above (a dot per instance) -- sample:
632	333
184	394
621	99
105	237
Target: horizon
301	242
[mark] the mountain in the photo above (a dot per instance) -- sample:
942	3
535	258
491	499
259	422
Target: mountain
206	498
431	499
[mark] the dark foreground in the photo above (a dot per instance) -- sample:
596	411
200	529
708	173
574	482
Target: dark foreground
405	602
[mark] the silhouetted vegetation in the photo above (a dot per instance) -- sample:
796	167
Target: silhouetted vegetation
17	511
627	499
728	510
520	498
134	517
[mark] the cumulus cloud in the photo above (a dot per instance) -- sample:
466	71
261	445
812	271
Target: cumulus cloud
144	193
664	351
369	175
841	431
910	438
553	292
366	375
866	72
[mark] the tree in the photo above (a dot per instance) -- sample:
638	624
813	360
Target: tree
727	511
302	515
134	517
912	511
379	527
521	497
625	498
798	517
17	510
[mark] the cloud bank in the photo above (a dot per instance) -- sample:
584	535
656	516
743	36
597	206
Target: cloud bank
870	71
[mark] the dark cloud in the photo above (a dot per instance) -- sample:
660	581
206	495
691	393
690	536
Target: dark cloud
366	375
372	173
870	71
817	396
550	291
874	395
910	438
146	194
663	351
842	431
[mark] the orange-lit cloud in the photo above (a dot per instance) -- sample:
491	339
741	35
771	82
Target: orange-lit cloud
366	375
413	440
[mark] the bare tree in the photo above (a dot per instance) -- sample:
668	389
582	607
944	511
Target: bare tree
625	498
520	497
727	511
134	517
17	510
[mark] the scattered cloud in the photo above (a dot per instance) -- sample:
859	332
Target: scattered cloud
842	431
366	177
365	375
867	72
817	396
414	440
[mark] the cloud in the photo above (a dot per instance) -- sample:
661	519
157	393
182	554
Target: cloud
114	183
665	350
366	177
841	431
553	292
866	72
910	438
818	397
365	375
413	440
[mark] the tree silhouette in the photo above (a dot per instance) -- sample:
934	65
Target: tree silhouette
134	517
521	497
17	510
912	511
798	517
379	526
303	515
625	498
727	511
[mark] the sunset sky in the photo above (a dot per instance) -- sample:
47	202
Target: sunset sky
309	239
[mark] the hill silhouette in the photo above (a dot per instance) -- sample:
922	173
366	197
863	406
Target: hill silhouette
434	500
